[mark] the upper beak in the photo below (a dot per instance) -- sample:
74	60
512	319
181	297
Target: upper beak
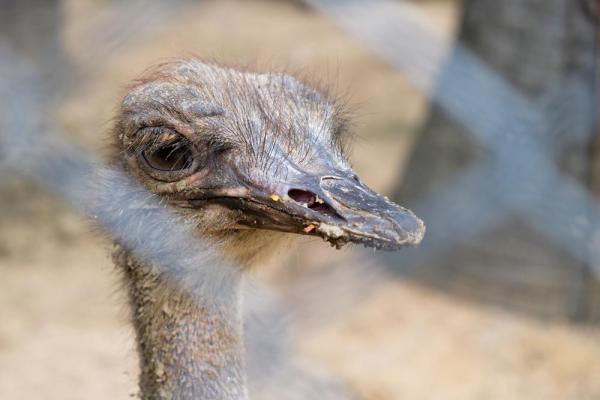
338	208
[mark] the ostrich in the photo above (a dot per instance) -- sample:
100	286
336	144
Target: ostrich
246	158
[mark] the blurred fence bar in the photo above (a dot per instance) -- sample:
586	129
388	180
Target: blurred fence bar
506	170
32	147
537	46
517	90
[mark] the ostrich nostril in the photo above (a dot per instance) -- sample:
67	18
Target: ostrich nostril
312	201
303	197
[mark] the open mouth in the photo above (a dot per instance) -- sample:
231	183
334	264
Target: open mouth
341	212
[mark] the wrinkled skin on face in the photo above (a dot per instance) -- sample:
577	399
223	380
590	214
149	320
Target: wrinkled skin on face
252	154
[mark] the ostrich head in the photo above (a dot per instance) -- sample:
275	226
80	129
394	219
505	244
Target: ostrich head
248	156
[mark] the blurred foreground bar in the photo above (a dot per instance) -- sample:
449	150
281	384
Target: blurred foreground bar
535	45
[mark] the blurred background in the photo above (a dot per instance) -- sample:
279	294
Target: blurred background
482	116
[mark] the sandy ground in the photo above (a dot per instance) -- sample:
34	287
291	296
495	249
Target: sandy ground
65	333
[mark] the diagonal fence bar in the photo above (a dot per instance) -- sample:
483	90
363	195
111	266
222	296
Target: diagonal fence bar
509	125
30	146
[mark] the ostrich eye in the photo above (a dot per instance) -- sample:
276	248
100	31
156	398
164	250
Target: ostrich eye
171	157
164	154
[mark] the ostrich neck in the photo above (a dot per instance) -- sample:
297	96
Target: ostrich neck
188	349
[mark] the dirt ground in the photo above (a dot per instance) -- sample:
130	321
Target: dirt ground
65	333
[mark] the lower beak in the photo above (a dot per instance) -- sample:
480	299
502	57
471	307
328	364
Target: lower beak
339	209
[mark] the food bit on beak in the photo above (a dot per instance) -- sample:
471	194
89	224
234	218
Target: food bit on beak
331	231
333	234
309	228
275	197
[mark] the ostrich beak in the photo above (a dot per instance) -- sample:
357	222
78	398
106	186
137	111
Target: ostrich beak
338	208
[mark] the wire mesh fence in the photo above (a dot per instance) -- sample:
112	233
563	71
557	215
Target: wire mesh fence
520	138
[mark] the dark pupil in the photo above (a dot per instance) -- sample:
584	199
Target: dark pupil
173	157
